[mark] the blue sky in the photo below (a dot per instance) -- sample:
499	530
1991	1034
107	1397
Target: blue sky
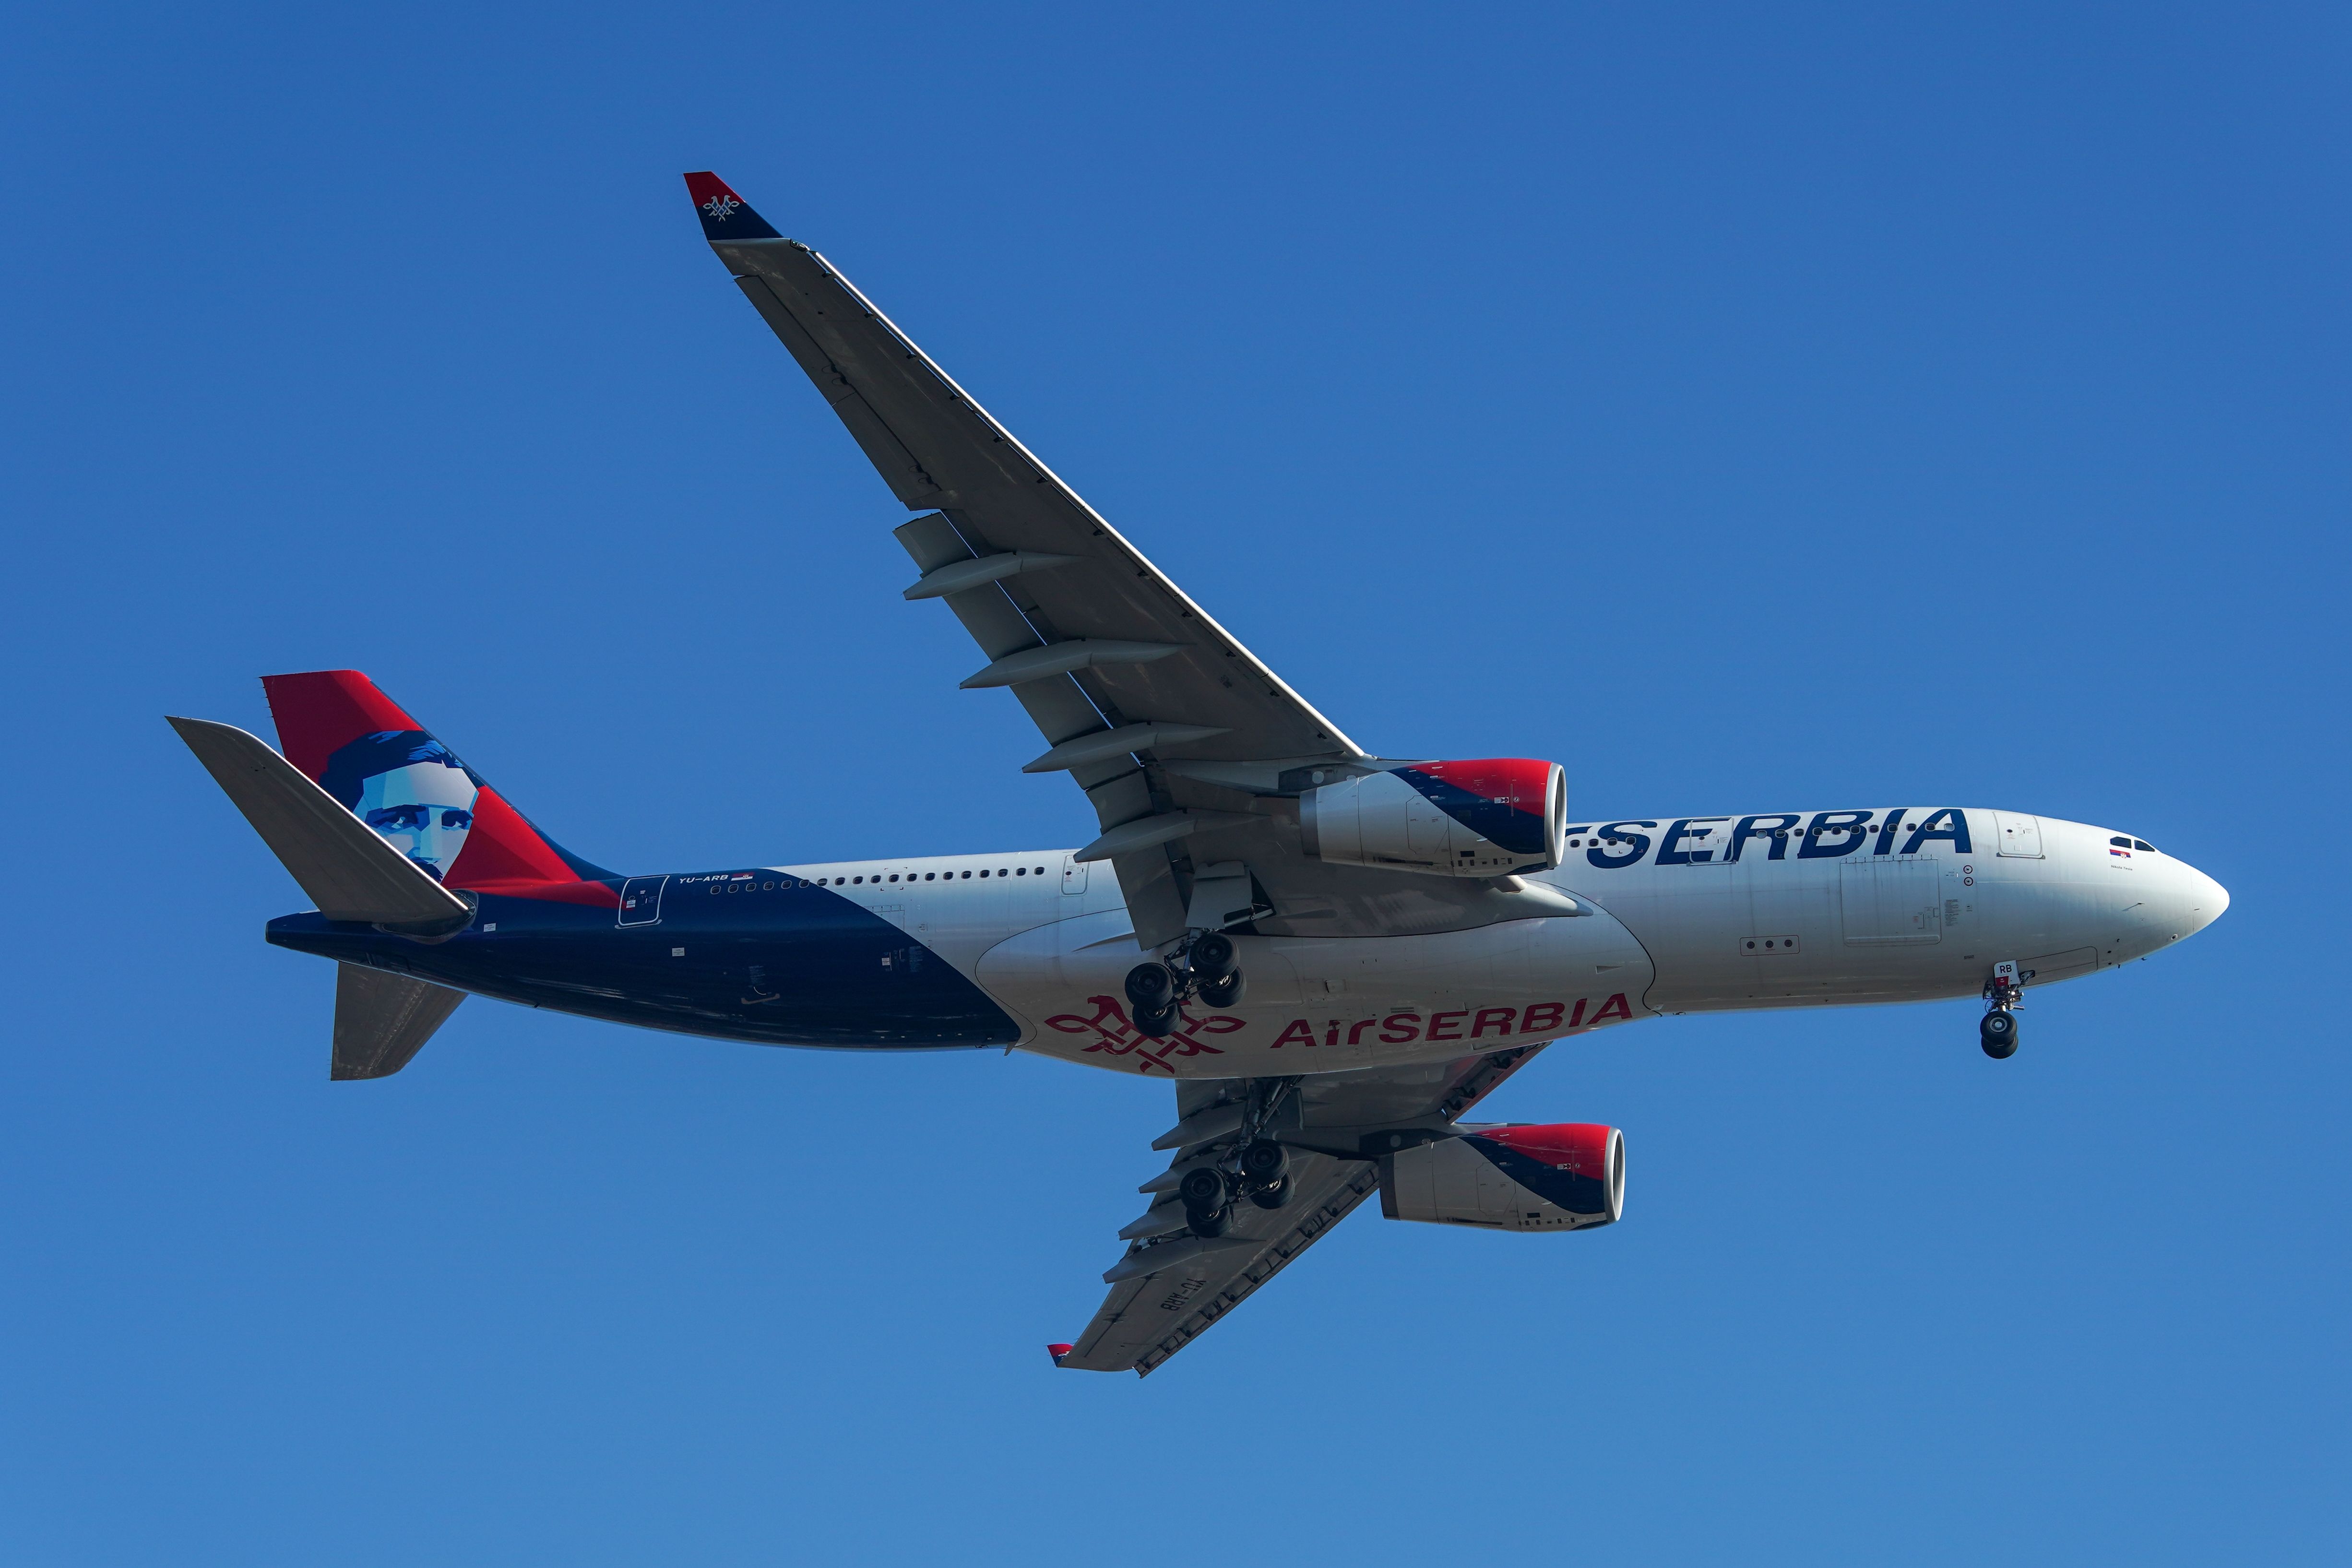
1750	411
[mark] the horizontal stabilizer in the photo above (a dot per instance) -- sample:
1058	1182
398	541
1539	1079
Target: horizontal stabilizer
381	1019
350	871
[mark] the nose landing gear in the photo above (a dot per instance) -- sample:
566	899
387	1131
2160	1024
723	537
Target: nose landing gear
1997	1030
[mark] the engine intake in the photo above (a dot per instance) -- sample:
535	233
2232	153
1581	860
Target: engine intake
1569	1175
1485	818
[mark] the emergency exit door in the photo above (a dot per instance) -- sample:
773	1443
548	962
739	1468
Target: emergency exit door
2019	835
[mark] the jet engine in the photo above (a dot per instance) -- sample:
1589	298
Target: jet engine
1567	1176
1485	818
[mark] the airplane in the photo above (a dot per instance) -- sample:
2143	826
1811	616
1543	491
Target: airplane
1332	956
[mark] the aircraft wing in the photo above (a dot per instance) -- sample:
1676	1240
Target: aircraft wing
1121	671
1171	1286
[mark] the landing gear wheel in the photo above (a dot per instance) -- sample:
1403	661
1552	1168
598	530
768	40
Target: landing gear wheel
1225	993
1209	1224
1149	986
1213	957
1208	1210
1273	1196
1998	1033
1264	1160
1156	1023
1203	1189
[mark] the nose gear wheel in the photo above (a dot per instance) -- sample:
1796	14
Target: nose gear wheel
1997	1030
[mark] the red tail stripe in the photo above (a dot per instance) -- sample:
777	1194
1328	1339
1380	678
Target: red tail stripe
503	848
322	709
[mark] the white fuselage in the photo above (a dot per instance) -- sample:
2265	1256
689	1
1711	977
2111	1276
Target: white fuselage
1685	915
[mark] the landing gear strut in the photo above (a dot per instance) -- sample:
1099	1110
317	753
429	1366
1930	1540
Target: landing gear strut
1997	1031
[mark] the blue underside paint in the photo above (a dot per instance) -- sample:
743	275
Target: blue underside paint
802	966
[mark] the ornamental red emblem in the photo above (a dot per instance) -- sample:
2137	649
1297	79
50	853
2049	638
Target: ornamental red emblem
1116	1036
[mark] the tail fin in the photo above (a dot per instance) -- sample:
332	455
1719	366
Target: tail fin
364	750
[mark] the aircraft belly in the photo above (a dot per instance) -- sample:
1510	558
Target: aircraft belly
1324	1004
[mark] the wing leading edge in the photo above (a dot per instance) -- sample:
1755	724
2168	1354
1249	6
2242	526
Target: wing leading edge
1119	669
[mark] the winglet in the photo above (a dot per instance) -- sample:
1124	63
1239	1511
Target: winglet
1059	1353
724	216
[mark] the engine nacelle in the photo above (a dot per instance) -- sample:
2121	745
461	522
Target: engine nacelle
1567	1176
1486	818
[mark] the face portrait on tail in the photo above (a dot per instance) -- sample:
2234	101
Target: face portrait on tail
411	789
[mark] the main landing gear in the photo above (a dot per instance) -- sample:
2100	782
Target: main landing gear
1205	966
1210	1191
1253	1168
1997	1030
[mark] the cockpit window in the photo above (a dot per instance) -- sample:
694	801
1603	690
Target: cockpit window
2143	844
2120	842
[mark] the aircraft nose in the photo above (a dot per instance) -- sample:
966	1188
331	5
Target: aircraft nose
2202	900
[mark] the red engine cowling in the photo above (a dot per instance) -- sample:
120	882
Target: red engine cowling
1568	1175
1485	818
